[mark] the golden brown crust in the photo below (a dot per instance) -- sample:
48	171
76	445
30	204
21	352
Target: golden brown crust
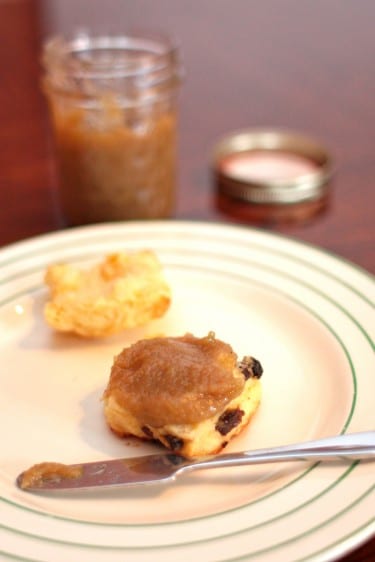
124	291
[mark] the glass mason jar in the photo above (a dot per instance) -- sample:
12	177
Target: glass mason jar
113	108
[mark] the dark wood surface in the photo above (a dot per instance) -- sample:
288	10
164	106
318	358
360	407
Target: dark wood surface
306	66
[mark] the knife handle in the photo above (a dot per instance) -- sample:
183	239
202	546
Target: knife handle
354	446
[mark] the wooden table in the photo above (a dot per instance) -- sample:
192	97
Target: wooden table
298	65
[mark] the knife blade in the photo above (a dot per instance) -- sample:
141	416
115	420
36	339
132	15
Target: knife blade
114	472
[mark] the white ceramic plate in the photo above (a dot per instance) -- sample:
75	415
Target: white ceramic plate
308	316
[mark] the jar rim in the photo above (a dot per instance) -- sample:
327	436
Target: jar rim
304	186
85	55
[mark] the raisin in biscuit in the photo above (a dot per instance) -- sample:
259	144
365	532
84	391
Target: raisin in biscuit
190	394
123	291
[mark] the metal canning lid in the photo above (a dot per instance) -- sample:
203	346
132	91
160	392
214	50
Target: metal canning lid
276	167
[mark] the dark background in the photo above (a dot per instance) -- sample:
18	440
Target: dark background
302	65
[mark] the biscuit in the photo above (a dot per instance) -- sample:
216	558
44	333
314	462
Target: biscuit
125	290
190	394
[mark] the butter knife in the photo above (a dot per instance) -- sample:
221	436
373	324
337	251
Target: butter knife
162	468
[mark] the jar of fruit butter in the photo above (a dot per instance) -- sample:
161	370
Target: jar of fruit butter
113	102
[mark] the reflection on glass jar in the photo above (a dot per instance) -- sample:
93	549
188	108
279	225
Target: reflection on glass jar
113	108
